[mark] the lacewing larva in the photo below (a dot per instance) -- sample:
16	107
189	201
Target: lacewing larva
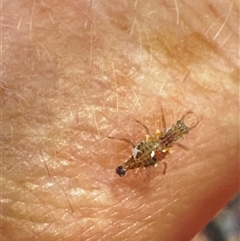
156	147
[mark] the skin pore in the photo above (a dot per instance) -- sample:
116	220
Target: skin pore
75	72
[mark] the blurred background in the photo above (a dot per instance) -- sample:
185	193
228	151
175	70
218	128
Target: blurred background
225	226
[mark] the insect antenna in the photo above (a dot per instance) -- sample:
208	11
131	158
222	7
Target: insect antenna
163	119
123	139
182	146
144	126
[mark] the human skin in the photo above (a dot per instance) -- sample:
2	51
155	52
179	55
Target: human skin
76	72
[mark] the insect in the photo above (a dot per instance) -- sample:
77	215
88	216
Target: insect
156	147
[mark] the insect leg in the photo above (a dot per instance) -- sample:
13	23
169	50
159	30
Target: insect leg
193	126
165	167
123	139
163	119
190	128
189	112
182	146
144	126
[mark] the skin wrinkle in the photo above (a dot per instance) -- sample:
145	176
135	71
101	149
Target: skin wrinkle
70	76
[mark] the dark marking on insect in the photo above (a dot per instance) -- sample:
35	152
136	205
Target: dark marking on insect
156	147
